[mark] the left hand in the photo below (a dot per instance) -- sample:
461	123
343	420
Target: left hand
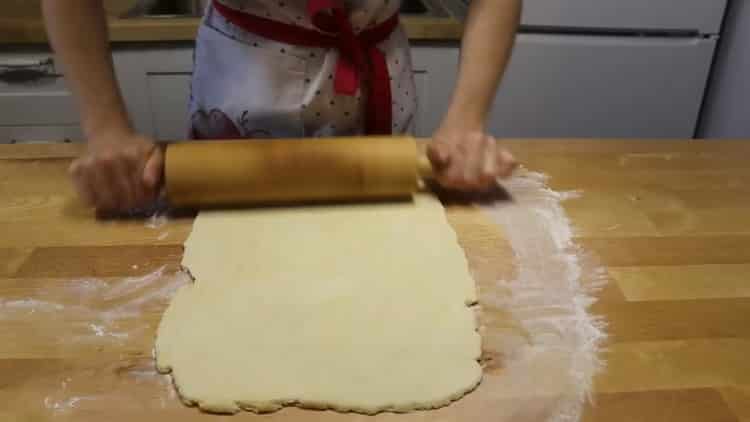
468	160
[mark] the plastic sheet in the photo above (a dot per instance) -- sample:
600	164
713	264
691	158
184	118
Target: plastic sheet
547	346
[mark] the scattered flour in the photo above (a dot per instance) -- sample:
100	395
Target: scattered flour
101	331
550	296
28	306
157	221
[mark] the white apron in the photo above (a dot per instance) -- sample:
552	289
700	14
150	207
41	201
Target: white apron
246	86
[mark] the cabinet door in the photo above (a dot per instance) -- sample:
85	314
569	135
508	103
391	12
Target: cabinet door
156	85
603	86
169	94
435	75
33	96
39	134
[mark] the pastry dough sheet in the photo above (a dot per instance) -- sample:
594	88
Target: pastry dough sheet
362	308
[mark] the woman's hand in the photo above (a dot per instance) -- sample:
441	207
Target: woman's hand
468	160
464	156
119	172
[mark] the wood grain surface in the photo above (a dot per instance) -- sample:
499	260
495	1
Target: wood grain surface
669	219
30	30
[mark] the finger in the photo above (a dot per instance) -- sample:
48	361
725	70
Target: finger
90	187
77	172
90	180
134	165
153	169
489	169
439	155
456	176
123	182
474	161
104	182
506	163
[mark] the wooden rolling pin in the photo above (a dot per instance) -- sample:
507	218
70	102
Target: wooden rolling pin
222	173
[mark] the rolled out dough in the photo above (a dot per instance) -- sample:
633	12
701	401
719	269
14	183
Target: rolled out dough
359	308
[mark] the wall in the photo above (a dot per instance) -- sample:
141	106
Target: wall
726	111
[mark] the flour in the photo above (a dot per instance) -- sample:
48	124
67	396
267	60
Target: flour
550	296
142	292
101	312
130	285
87	286
157	221
96	307
129	383
27	306
101	331
66	404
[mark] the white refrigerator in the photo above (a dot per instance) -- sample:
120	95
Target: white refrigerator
726	110
609	68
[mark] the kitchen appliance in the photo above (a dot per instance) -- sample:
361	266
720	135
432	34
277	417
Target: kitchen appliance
725	111
609	68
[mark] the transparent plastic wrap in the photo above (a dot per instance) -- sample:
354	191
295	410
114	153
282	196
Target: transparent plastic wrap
94	336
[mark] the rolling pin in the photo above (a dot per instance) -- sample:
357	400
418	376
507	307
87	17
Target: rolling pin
237	172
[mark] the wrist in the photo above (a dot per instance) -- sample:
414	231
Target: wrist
462	118
107	128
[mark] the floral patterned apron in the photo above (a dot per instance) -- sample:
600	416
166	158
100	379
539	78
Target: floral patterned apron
249	86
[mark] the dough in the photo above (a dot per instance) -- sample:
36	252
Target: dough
359	308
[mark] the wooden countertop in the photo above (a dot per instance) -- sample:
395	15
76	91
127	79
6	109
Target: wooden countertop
669	219
31	30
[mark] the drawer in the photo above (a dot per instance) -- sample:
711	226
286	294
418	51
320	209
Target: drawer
704	16
39	134
33	92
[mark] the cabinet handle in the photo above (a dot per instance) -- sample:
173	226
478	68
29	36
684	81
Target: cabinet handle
26	70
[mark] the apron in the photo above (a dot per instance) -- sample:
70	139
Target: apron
248	86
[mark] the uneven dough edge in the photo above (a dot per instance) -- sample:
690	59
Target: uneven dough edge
270	407
236	406
276	405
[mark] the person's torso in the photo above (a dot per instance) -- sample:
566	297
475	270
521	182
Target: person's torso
248	86
362	13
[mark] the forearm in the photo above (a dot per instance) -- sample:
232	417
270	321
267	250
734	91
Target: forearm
485	51
78	33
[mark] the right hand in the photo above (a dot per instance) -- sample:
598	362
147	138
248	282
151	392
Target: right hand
119	172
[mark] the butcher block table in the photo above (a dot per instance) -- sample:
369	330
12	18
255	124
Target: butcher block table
80	299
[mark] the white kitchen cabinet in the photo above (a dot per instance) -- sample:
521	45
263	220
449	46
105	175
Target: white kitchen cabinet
556	86
580	86
40	134
35	104
435	70
156	83
603	87
169	95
